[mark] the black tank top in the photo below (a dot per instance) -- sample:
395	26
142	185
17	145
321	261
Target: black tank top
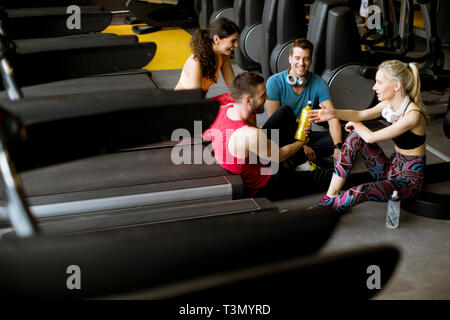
409	140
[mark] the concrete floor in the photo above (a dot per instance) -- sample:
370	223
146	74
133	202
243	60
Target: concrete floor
423	271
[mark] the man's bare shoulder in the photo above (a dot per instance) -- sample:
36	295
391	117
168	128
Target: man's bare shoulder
247	131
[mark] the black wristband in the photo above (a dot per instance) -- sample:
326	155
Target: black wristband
338	146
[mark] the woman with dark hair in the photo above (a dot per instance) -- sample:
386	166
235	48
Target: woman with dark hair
211	51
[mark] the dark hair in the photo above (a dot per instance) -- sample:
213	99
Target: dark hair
202	41
301	43
244	83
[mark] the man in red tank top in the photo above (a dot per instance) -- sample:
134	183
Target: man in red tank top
255	154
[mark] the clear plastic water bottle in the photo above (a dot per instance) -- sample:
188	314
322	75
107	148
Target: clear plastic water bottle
393	211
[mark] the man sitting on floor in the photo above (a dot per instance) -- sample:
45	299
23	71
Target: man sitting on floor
246	150
295	87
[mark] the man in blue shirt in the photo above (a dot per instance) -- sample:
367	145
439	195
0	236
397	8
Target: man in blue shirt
295	87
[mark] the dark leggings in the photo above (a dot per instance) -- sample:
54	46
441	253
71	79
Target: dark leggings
288	183
284	121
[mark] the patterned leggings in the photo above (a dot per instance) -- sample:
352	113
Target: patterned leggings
402	173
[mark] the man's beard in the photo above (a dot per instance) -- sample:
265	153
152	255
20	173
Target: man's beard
257	109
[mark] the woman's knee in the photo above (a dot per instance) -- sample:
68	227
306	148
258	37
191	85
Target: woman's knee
355	144
410	189
351	137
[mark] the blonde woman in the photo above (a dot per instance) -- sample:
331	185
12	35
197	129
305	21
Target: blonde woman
398	90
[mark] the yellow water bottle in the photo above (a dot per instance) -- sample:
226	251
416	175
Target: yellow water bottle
303	123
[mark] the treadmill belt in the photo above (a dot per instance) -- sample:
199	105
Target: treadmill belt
52	22
218	188
138	79
114	171
40	11
52	65
123	180
74	42
141	216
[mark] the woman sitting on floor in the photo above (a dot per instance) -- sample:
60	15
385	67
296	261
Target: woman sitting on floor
211	51
398	90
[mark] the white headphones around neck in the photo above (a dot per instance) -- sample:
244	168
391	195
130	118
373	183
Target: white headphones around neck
390	115
293	80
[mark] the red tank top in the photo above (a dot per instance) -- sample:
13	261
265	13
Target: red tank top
219	133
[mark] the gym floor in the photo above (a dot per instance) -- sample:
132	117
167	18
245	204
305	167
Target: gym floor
423	269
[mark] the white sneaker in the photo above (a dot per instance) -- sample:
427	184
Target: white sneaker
307	166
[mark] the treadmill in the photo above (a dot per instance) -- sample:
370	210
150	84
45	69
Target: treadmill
41	3
133	258
38	61
117	81
244	253
23	23
94	123
109	181
159	14
44	60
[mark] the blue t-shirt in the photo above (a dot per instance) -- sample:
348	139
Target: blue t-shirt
316	90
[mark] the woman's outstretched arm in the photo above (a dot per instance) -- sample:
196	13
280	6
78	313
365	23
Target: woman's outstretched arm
326	113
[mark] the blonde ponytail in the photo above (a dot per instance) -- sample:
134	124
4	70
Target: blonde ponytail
414	91
408	75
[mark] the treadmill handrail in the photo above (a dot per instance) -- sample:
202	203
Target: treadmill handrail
12	89
7	72
18	211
